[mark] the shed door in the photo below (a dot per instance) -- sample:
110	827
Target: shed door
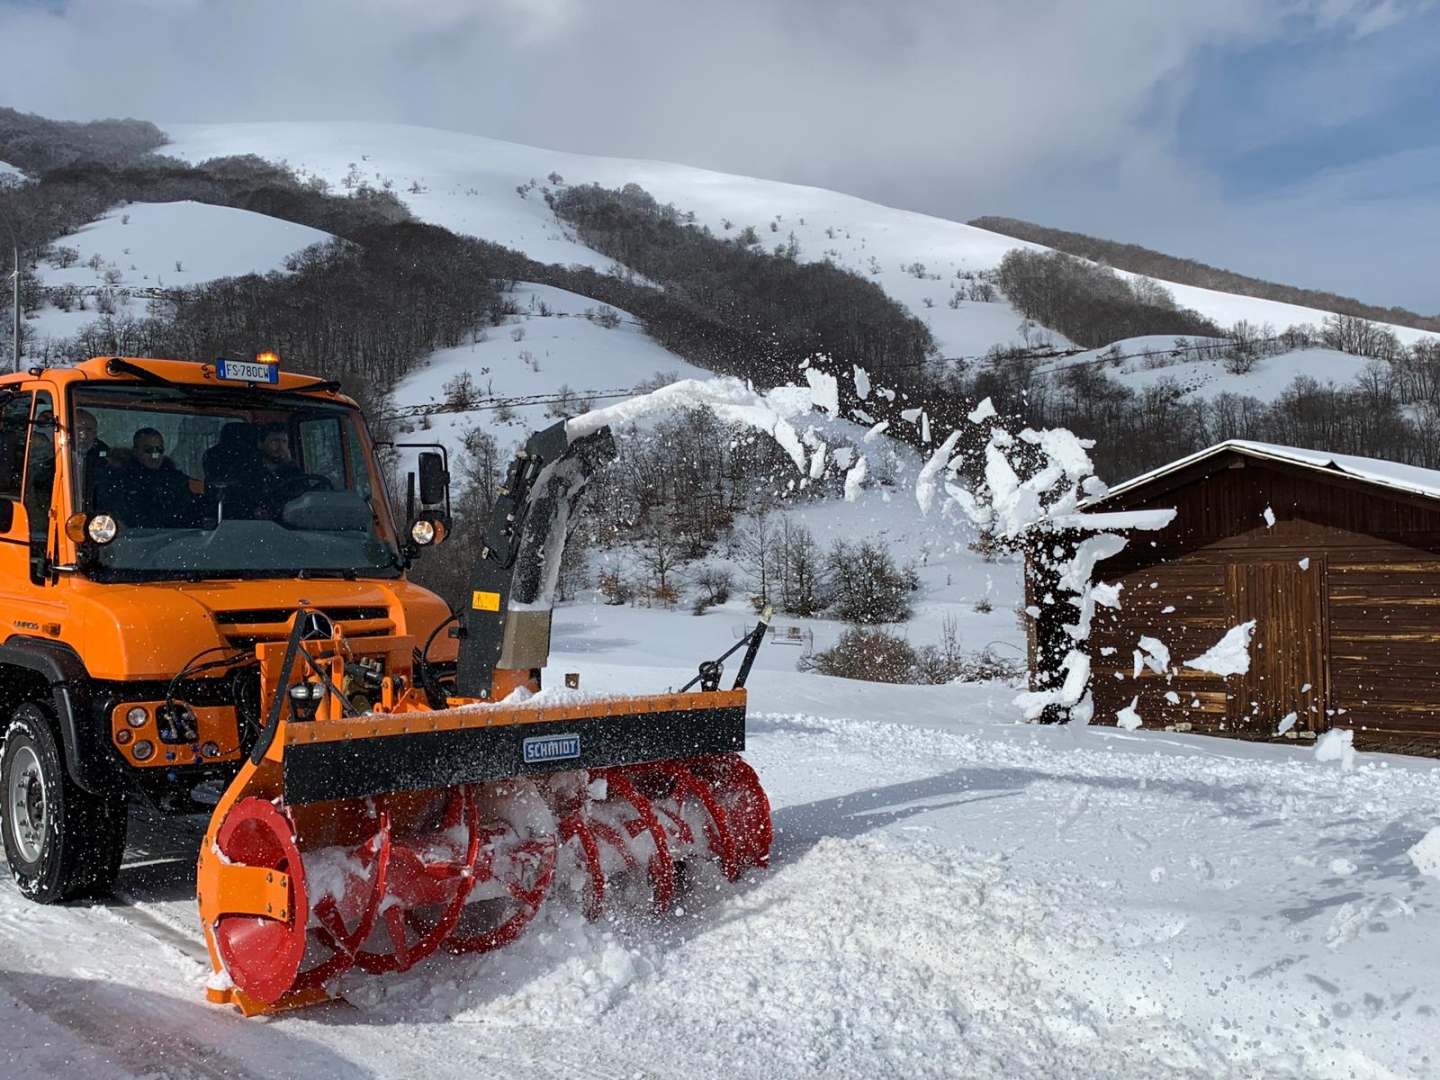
1287	653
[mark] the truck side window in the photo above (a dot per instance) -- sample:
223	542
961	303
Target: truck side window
40	468
14	428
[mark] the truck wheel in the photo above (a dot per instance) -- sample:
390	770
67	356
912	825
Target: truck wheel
61	842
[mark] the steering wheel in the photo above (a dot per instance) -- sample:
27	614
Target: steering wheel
295	486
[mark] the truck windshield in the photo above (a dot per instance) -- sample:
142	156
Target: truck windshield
227	483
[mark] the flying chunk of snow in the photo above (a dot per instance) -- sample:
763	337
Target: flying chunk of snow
862	383
854	478
1305	564
1287	723
878	430
1228	656
925	483
1156	655
843	456
1172	698
911	415
1337	744
1127	717
1269	517
1342	867
981	412
817	463
824	390
1426	854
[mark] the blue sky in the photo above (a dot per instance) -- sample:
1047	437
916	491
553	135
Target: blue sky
1292	139
1269	117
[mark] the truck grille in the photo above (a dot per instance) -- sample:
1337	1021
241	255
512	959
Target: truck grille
243	627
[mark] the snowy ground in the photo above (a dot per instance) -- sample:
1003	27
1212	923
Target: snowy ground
953	894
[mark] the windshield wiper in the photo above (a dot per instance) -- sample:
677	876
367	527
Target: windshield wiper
116	366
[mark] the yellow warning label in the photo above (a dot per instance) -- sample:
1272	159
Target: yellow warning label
485	601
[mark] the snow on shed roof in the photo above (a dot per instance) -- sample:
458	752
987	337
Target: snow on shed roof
1409	478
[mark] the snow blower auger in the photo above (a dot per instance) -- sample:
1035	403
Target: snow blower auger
390	809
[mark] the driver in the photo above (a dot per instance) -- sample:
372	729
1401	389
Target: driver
277	470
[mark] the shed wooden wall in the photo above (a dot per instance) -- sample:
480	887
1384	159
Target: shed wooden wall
1351	639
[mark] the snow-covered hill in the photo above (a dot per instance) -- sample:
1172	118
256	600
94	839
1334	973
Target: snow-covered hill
468	183
147	246
1143	362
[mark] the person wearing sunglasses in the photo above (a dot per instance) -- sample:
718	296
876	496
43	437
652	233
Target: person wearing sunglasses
152	492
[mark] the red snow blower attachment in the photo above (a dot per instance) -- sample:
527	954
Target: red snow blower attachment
391	809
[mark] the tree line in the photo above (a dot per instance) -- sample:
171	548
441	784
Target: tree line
1143	260
762	311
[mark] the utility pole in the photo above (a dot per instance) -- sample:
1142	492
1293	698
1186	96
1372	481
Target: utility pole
15	252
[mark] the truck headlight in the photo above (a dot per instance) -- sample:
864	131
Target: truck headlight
102	528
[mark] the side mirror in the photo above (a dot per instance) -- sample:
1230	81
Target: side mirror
434	480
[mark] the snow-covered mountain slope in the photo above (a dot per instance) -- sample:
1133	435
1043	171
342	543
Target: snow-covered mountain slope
468	183
558	341
1144	362
146	246
9	173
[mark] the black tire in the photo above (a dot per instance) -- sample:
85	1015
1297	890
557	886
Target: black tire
61	842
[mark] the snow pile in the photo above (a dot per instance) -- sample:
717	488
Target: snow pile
1426	854
1128	718
1337	744
1228	656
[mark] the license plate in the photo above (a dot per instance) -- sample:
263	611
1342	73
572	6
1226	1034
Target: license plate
247	371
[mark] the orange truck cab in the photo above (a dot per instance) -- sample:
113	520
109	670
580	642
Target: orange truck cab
158	519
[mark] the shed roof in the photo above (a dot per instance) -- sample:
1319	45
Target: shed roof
1388	474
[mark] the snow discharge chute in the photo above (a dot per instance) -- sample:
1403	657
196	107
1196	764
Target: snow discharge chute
441	817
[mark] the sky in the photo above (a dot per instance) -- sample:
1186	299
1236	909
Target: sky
1292	139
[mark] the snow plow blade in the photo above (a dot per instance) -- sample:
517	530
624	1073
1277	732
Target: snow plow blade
364	843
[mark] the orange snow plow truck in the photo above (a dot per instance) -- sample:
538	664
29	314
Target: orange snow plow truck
204	604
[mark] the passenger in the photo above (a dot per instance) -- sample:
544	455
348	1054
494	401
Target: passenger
92	456
232	471
235	457
150	492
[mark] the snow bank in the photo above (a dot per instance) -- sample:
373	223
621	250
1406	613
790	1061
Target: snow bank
1337	744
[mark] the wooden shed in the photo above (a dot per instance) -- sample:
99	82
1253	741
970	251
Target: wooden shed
1335	558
